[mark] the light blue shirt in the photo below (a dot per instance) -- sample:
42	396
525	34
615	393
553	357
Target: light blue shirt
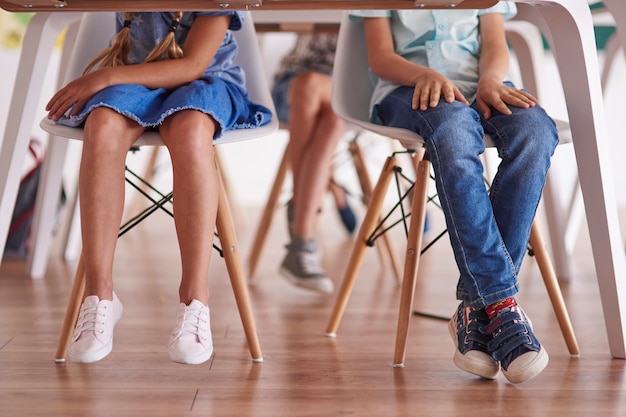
445	40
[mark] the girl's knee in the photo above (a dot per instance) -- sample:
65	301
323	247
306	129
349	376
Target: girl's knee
107	131
309	85
189	134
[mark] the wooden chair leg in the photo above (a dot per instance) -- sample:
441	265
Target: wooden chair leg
554	290
228	240
370	221
385	249
411	260
237	213
268	214
71	313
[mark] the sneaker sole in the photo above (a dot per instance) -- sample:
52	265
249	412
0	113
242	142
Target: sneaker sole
479	364
91	357
529	370
190	360
324	286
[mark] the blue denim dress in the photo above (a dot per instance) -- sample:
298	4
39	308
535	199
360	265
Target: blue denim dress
220	92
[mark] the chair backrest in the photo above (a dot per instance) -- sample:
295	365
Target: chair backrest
352	84
94	33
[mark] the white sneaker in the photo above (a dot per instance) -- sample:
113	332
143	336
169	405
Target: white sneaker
93	336
191	341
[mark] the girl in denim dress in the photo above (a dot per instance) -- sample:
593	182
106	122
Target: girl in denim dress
173	72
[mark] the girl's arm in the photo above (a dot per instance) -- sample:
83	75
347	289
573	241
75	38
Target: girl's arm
493	66
430	86
203	41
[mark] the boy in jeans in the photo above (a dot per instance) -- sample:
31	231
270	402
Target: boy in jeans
441	73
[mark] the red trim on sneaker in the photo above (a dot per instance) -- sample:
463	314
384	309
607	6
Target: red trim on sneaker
492	310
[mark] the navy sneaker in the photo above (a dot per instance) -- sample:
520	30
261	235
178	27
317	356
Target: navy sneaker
513	343
472	354
348	219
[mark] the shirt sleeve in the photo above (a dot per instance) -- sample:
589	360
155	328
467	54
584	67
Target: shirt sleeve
506	8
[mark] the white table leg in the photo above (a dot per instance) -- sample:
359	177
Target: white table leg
45	215
568	26
39	39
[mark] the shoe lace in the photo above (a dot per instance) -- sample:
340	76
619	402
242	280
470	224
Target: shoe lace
192	321
309	263
91	318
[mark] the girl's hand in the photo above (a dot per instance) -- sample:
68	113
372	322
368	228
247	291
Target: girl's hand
76	94
492	94
431	87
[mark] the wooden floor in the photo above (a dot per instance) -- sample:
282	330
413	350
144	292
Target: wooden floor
304	372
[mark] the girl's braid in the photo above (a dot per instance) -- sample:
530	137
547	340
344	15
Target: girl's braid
117	54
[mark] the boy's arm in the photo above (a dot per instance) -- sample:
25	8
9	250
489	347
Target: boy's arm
430	86
493	66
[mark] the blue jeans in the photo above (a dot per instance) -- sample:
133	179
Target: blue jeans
489	230
280	96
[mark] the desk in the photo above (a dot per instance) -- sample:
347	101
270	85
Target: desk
157	5
568	26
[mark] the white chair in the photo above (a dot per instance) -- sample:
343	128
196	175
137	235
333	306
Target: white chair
94	33
352	90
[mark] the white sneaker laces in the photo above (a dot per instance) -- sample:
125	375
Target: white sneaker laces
309	263
91	318
192	321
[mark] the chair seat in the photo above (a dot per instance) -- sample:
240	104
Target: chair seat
152	137
411	140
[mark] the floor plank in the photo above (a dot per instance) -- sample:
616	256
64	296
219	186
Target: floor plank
304	373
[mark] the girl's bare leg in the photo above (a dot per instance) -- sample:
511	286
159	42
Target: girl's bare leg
189	137
314	131
107	139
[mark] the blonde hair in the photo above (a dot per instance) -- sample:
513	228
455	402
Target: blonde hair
117	54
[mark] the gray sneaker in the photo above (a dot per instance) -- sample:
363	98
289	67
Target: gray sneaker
301	267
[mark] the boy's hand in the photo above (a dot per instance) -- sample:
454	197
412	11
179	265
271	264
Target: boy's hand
431	87
492	94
